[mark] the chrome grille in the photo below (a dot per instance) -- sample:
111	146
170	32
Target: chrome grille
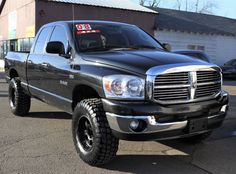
208	76
186	86
171	94
207	90
172	79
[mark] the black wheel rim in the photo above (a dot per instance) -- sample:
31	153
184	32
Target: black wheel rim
13	98
85	135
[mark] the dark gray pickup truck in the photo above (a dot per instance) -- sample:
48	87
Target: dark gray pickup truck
119	83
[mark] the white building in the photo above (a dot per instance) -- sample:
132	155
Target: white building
214	35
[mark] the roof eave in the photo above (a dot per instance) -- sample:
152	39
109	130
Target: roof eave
206	33
2	5
142	11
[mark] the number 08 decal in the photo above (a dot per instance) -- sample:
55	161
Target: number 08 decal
83	27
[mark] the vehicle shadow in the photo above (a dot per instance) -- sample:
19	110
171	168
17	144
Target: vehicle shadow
50	115
150	164
181	157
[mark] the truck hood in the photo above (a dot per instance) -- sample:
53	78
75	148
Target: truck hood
138	61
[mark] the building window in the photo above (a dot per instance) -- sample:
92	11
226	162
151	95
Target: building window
196	47
25	44
201	48
191	47
4	47
21	45
1	50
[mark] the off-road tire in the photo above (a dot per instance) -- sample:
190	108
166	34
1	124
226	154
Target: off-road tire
105	145
197	138
19	101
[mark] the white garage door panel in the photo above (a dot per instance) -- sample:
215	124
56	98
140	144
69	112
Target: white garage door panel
180	40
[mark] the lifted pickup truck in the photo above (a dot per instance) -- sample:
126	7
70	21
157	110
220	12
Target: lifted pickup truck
119	83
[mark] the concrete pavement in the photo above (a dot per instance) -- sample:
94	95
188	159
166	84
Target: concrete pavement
42	143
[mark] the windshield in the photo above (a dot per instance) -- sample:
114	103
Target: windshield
102	37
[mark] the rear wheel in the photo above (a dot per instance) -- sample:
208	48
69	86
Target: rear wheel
18	99
92	135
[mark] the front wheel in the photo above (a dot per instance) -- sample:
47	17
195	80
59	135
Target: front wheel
92	135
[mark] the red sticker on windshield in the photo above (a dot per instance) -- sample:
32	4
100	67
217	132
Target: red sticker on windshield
83	27
88	32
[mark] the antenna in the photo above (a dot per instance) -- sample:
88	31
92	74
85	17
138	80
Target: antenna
73	19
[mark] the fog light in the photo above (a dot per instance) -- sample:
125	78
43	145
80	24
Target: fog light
134	124
224	108
138	125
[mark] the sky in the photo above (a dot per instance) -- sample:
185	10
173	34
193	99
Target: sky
226	8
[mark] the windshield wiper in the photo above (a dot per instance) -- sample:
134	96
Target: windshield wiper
143	47
106	48
95	49
119	48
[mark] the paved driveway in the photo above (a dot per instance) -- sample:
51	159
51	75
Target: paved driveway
42	143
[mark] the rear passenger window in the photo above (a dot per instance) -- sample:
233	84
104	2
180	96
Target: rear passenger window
59	34
42	39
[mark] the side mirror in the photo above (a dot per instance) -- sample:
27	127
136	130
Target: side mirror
167	46
55	48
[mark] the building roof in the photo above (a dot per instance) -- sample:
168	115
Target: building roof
119	4
2	3
194	22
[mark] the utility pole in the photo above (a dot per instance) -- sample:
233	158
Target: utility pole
197	3
186	5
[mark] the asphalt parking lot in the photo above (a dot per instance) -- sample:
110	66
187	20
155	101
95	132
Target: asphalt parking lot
41	143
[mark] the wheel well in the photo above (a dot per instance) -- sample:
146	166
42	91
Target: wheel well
83	92
13	73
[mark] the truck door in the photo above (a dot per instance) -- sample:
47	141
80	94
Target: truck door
35	72
56	71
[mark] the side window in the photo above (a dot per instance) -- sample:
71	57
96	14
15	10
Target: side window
42	39
59	34
234	63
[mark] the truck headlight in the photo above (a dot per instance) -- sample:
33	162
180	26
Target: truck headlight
123	87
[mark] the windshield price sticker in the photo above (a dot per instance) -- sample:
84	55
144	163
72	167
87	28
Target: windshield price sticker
88	32
83	27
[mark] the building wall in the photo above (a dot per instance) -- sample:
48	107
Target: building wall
226	49
51	11
17	15
219	48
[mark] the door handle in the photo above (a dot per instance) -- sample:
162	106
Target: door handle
30	61
45	64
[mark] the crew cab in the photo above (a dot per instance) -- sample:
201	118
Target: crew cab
119	83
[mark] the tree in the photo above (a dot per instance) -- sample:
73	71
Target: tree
151	3
154	3
207	8
199	6
142	2
179	3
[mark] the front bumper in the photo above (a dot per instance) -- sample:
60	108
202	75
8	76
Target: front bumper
163	122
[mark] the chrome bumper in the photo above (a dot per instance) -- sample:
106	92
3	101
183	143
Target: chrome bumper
121	123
